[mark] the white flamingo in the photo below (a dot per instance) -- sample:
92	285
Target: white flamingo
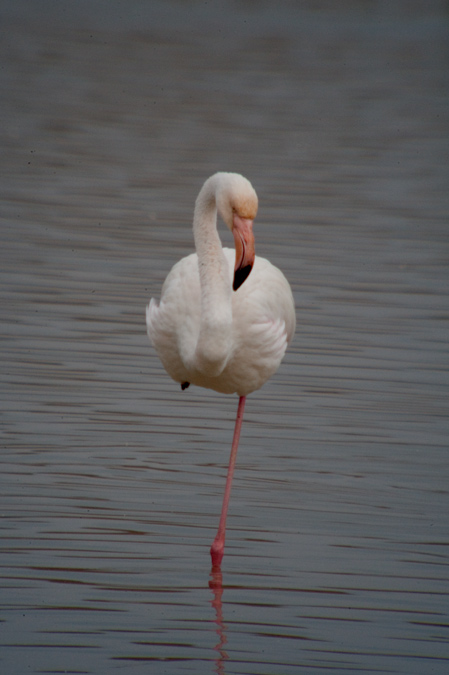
221	325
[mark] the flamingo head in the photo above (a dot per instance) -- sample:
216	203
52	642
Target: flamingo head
237	203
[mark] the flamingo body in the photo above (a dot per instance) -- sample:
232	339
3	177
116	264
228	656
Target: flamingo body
263	324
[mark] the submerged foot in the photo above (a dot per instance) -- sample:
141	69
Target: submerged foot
217	553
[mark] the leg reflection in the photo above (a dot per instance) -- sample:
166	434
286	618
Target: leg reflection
216	585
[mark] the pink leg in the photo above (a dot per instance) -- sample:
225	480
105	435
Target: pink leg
217	549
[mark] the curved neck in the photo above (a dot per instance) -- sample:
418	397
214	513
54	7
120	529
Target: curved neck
207	241
214	341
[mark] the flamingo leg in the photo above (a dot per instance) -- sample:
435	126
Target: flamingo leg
217	548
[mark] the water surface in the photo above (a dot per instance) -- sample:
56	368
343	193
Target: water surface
111	477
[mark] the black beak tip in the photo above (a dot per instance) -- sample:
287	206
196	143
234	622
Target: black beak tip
240	276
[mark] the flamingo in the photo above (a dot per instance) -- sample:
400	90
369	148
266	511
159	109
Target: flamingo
225	318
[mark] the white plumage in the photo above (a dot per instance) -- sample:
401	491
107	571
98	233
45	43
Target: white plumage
262	325
260	315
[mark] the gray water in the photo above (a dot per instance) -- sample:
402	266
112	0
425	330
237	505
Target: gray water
112	116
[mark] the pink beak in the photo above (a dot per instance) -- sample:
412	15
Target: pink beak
244	249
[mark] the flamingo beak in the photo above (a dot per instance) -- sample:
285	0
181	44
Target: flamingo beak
242	229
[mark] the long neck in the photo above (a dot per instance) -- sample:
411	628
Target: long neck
214	341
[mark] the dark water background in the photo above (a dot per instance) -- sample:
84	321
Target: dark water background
112	114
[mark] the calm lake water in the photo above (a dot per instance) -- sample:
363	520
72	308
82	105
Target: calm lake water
112	116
